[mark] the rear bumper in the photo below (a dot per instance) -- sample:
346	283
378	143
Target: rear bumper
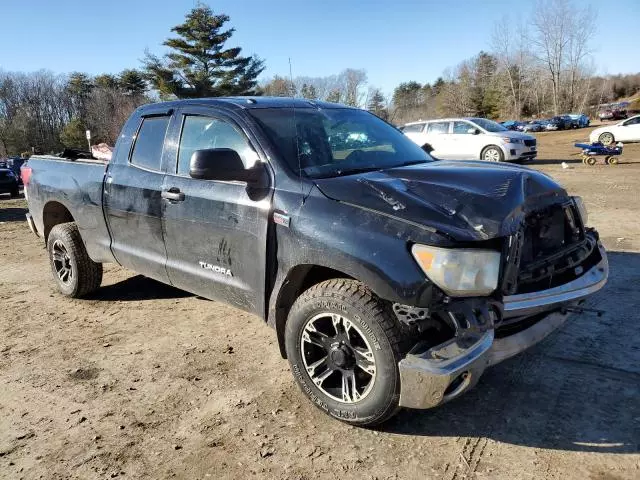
446	371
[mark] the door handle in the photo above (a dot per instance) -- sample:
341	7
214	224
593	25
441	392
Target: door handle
173	194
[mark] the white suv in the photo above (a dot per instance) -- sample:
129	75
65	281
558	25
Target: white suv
471	139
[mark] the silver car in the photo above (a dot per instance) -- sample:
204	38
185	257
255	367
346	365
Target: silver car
471	139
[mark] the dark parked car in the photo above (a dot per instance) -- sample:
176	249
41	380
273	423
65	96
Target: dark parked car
390	279
9	182
563	122
580	120
512	125
612	114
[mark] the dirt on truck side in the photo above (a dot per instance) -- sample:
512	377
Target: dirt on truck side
141	380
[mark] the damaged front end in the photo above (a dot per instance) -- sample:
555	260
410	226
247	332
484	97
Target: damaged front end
549	264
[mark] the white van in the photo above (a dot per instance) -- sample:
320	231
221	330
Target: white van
471	139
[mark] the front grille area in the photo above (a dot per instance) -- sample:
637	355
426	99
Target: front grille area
551	249
530	143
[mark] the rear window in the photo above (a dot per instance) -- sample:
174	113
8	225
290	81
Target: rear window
147	151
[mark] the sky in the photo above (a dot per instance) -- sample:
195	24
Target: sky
393	40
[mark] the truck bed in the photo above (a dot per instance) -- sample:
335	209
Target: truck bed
71	186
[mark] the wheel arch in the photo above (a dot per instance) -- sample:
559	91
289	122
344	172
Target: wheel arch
54	213
297	280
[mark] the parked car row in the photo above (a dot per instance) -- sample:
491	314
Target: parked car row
471	139
559	122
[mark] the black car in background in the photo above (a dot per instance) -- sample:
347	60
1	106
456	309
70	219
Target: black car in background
563	122
9	182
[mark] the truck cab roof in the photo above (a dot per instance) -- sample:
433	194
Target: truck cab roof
245	103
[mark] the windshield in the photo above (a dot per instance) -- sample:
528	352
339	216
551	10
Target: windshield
333	142
489	125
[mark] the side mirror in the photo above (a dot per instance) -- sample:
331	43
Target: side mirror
224	164
473	131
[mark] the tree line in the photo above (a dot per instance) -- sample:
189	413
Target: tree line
540	67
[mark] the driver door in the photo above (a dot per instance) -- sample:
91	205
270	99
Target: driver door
629	131
215	231
464	145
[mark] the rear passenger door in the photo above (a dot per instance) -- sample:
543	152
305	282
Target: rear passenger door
132	199
215	231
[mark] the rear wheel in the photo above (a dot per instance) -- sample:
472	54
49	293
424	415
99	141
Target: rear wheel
492	154
611	160
343	346
606	138
591	161
73	271
15	193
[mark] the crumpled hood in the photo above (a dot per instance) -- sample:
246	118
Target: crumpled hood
465	200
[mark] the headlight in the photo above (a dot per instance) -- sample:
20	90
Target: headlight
511	140
461	272
582	209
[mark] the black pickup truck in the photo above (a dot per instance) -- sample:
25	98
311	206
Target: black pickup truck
391	279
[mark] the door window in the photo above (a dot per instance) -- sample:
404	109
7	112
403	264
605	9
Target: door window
632	121
415	128
201	133
461	128
147	151
438	127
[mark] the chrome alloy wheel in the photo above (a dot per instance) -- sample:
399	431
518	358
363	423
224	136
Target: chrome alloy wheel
338	357
62	262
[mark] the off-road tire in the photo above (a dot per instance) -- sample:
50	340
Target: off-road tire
15	193
591	161
352	300
500	156
87	274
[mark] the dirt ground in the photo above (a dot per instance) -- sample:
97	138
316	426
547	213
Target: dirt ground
145	381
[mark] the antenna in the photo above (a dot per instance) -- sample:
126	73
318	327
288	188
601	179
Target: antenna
295	130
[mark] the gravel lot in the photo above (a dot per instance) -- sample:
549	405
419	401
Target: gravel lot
145	381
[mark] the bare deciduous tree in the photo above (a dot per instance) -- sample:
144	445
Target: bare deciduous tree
562	32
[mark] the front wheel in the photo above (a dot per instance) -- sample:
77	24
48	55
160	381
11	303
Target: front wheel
15	193
492	154
343	346
73	271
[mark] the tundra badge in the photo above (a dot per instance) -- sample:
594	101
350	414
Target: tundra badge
216	268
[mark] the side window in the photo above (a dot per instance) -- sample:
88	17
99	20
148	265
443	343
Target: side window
632	121
147	150
415	128
438	127
200	133
461	127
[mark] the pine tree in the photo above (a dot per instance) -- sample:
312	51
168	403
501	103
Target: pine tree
334	96
132	82
308	91
377	104
198	64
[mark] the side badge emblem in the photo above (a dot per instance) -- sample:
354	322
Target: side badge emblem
281	219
